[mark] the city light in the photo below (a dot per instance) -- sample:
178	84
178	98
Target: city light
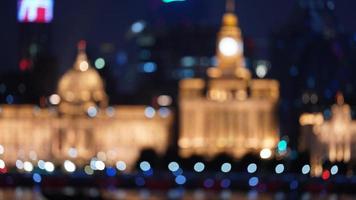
19	164
180	180
164	100
49	167
99	63
261	71
252	168
2	150
99	165
27	166
138	26
173	166
282	146
229	46
121	165
35	11
36	177
226	167
334	170
253	181
69	166
54	99
84	66
306	169
2	164
170	1
279	169
145	166
199	167
265	153
150	112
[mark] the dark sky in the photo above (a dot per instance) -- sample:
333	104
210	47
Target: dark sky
101	21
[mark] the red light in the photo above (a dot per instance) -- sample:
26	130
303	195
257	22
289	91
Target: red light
325	175
3	170
25	64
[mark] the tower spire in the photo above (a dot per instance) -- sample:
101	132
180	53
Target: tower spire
230	6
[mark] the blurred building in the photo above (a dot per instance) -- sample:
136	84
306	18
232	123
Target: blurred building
80	125
332	139
229	112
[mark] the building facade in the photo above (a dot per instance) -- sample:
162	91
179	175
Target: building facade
229	112
80	125
329	140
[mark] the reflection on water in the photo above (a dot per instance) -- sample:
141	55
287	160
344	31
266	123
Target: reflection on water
177	194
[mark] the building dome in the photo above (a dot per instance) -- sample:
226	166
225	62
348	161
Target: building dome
81	87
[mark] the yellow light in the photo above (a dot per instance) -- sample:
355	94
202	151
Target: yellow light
229	46
84	66
265	153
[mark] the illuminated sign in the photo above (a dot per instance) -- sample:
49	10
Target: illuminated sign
35	11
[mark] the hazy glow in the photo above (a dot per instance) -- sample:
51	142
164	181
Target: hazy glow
306	169
229	46
49	166
279	169
121	165
69	166
252	168
2	164
84	66
54	99
334	170
145	166
100	63
199	167
265	153
173	166
226	167
27	166
261	71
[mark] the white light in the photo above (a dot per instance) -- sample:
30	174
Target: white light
164	100
72	152
226	167
261	71
100	63
33	155
199	167
173	166
27	166
121	166
306	169
19	164
150	112
99	165
92	111
54	99
265	153
2	164
279	168
49	167
229	46
84	66
69	166
2	150
41	164
145	166
334	169
252	168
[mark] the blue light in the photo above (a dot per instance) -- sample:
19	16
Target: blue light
110	171
199	167
178	172
180	180
145	166
9	99
138	27
37	178
170	1
149	67
140	181
173	166
293	185
226	167
253	181
279	169
208	183
305	169
225	183
252	168
282	145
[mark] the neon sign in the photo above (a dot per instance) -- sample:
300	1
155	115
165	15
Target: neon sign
35	11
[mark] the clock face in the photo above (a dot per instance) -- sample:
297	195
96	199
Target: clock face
229	46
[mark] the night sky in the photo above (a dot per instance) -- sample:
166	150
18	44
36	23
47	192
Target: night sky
108	21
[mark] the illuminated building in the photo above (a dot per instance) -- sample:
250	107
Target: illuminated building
332	139
230	112
80	125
